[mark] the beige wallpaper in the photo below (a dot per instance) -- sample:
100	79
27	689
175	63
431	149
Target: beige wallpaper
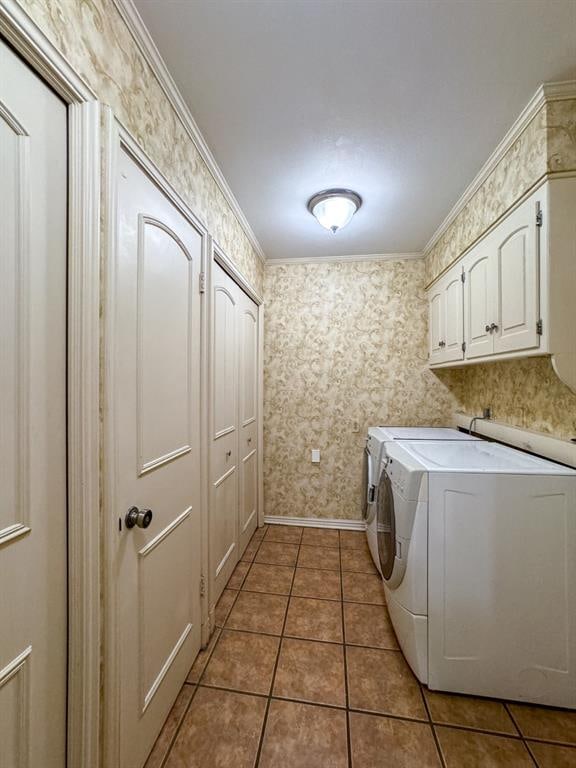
525	393
345	348
547	145
97	43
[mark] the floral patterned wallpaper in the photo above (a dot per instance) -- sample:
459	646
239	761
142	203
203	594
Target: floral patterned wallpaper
524	393
344	348
94	39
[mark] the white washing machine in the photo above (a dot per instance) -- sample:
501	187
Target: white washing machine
373	455
477	543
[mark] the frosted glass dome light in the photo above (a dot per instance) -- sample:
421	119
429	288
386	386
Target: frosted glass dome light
334	208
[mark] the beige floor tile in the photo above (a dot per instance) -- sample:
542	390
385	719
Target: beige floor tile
202	659
274	579
221	730
258	613
311	671
313	619
353	540
250	552
224	605
468	711
243	661
164	740
369	625
363	588
312	582
381	681
275	553
379	742
468	749
304	736
319	557
553	756
239	574
320	537
358	560
289	534
259	533
545	722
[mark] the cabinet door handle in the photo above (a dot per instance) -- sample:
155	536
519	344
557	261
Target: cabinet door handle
494	327
441	343
488	328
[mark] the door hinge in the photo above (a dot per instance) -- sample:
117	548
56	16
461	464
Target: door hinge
202	586
539	328
202	282
539	215
463	346
463	277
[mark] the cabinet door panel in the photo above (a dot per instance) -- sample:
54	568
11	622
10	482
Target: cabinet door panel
478	302
454	327
516	275
436	324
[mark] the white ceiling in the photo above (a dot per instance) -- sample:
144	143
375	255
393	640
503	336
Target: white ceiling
400	100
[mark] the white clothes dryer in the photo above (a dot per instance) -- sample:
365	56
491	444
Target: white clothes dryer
477	543
373	454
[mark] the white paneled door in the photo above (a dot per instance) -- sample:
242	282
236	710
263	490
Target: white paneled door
33	567
224	429
234	428
156	425
248	418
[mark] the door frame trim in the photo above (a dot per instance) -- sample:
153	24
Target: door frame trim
115	138
83	377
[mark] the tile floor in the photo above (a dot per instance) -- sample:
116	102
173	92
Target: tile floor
304	671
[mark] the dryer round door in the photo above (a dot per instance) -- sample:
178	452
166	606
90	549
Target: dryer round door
386	526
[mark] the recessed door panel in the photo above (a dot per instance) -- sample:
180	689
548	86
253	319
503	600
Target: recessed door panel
436	325
517	284
454	333
249	490
248	374
165	305
225	388
478	304
225	513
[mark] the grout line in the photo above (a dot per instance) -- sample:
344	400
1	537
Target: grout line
345	654
273	678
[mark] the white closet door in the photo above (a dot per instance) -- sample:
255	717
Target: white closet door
155	358
478	303
33	570
248	402
224	430
516	286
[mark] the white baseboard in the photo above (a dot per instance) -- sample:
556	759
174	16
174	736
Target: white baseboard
316	522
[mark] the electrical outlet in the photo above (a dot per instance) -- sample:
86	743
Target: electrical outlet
315	456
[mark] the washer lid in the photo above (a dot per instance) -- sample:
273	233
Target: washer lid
480	456
426	433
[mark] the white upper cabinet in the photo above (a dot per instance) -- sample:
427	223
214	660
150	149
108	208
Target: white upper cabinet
445	302
500	307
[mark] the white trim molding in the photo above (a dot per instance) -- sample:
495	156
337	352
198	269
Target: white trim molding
540	443
351	257
148	49
316	522
546	93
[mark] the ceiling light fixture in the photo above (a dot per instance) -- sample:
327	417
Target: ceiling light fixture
333	208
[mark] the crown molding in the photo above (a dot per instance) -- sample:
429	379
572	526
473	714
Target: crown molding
148	49
546	93
352	257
